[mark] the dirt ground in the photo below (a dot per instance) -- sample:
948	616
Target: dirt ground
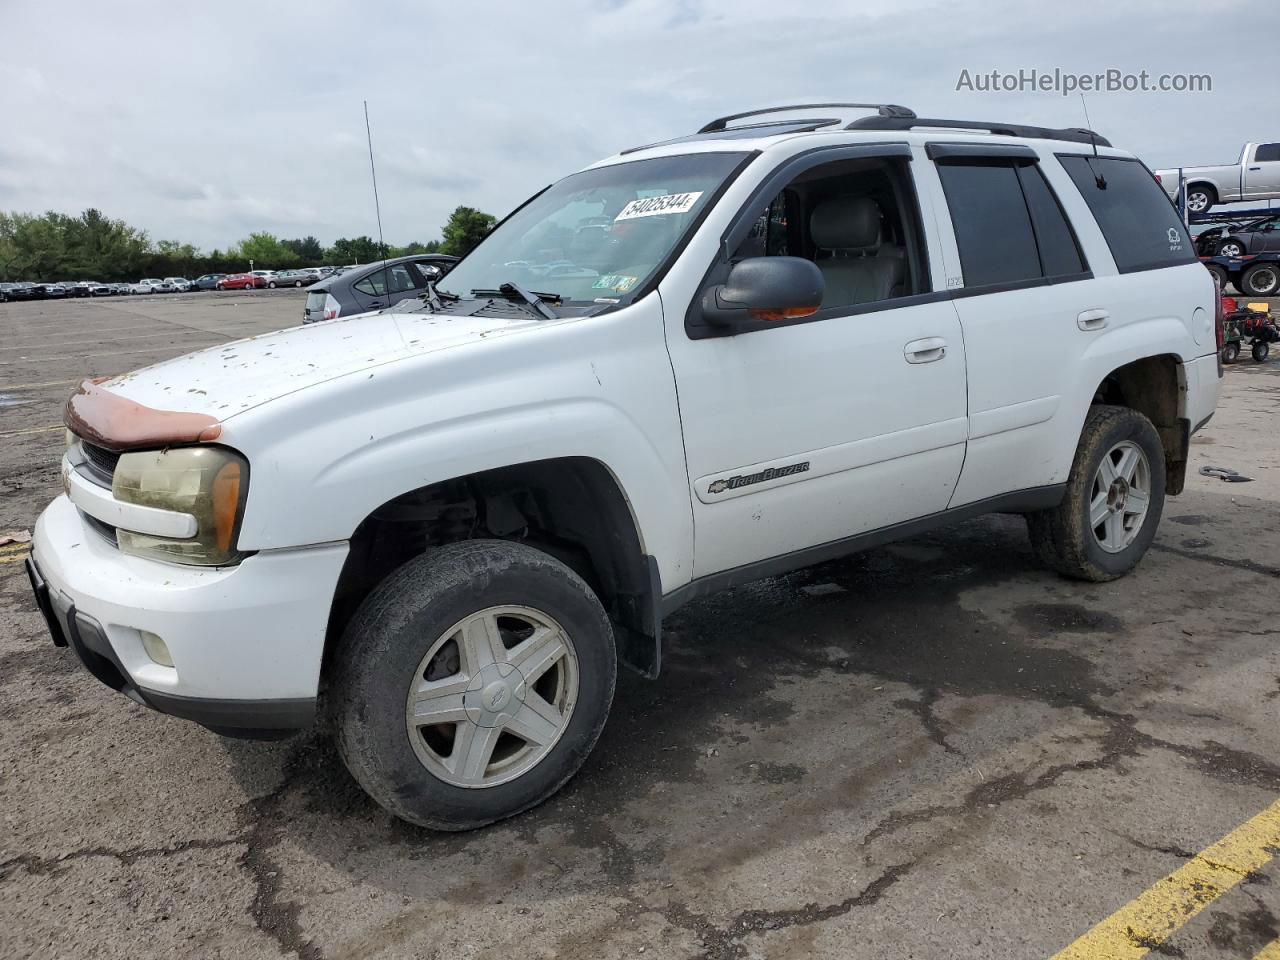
931	750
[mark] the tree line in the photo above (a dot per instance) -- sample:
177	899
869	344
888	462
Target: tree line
92	246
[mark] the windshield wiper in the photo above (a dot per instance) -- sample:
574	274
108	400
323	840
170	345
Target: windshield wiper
512	291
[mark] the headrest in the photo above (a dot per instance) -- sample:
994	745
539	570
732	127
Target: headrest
845	223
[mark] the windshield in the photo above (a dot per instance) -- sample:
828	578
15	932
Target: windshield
599	235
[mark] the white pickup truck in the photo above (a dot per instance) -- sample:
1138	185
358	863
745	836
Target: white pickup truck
1255	176
690	365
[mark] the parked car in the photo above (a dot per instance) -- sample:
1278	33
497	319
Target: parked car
97	289
1254	176
75	288
292	278
264	275
178	284
792	344
4	291
207	282
241	281
50	291
121	289
373	287
21	291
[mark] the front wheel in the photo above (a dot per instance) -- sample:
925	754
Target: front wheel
1231	248
297	283
1113	501
473	683
1231	351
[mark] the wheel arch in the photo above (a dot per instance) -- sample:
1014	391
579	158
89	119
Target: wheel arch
1155	386
573	508
1208	185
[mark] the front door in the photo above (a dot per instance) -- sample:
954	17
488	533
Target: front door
811	431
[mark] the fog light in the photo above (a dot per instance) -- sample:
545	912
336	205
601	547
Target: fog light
156	648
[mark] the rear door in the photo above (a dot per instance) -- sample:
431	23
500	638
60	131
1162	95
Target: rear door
1020	285
384	286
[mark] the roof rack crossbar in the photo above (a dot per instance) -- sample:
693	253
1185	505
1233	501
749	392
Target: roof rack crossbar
1069	134
883	110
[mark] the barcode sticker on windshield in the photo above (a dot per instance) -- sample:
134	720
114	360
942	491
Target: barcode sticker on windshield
654	206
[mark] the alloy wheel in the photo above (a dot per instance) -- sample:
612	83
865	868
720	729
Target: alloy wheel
492	696
1120	497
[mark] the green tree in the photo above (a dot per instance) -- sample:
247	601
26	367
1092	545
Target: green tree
357	250
307	249
266	251
466	228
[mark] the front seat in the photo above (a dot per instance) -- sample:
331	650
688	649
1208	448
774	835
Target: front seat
860	269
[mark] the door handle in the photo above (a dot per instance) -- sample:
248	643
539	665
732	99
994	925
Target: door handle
926	350
1093	319
1255	168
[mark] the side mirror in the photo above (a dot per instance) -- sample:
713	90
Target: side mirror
764	289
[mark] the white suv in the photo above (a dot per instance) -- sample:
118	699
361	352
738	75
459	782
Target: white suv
690	365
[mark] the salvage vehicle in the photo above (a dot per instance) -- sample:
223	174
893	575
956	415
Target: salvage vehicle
373	287
1257	236
1258	275
794	339
1254	176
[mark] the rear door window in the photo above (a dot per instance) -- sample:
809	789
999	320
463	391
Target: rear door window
1267	152
992	224
397	279
1141	226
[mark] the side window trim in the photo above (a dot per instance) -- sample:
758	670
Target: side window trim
1039	228
770	187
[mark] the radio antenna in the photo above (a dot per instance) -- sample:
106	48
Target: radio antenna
377	207
1098	178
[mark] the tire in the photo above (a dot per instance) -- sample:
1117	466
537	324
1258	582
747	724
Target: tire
1261	280
1064	539
1231	248
1231	351
419	611
1218	272
272	284
297	283
1200	199
1260	350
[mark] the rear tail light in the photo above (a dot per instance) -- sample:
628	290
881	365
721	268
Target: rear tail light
1220	312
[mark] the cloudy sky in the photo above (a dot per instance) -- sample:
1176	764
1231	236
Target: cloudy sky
203	122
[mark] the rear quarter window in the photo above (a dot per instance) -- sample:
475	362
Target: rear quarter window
1142	228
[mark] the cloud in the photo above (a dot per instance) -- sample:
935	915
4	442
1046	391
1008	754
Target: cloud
206	123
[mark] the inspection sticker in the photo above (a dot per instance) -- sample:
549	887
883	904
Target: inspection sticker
616	282
654	206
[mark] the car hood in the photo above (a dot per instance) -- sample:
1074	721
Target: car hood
226	380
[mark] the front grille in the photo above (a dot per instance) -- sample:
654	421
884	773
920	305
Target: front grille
100	461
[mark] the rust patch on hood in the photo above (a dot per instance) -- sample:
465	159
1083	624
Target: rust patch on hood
111	421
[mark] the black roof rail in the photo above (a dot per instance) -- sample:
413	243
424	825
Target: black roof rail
883	109
1069	134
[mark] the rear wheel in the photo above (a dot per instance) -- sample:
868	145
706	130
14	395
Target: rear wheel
1218	272
1113	501
1261	280
1260	350
272	284
473	683
1200	199
297	283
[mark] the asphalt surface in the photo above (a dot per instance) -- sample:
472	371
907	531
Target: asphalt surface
930	750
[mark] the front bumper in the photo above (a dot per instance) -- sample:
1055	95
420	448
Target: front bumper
246	641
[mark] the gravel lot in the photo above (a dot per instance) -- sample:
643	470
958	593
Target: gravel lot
930	750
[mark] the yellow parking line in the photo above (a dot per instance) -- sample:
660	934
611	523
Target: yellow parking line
18	559
19	433
1156	914
1270	952
10	548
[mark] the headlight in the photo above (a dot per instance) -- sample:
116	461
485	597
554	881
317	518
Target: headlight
210	483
